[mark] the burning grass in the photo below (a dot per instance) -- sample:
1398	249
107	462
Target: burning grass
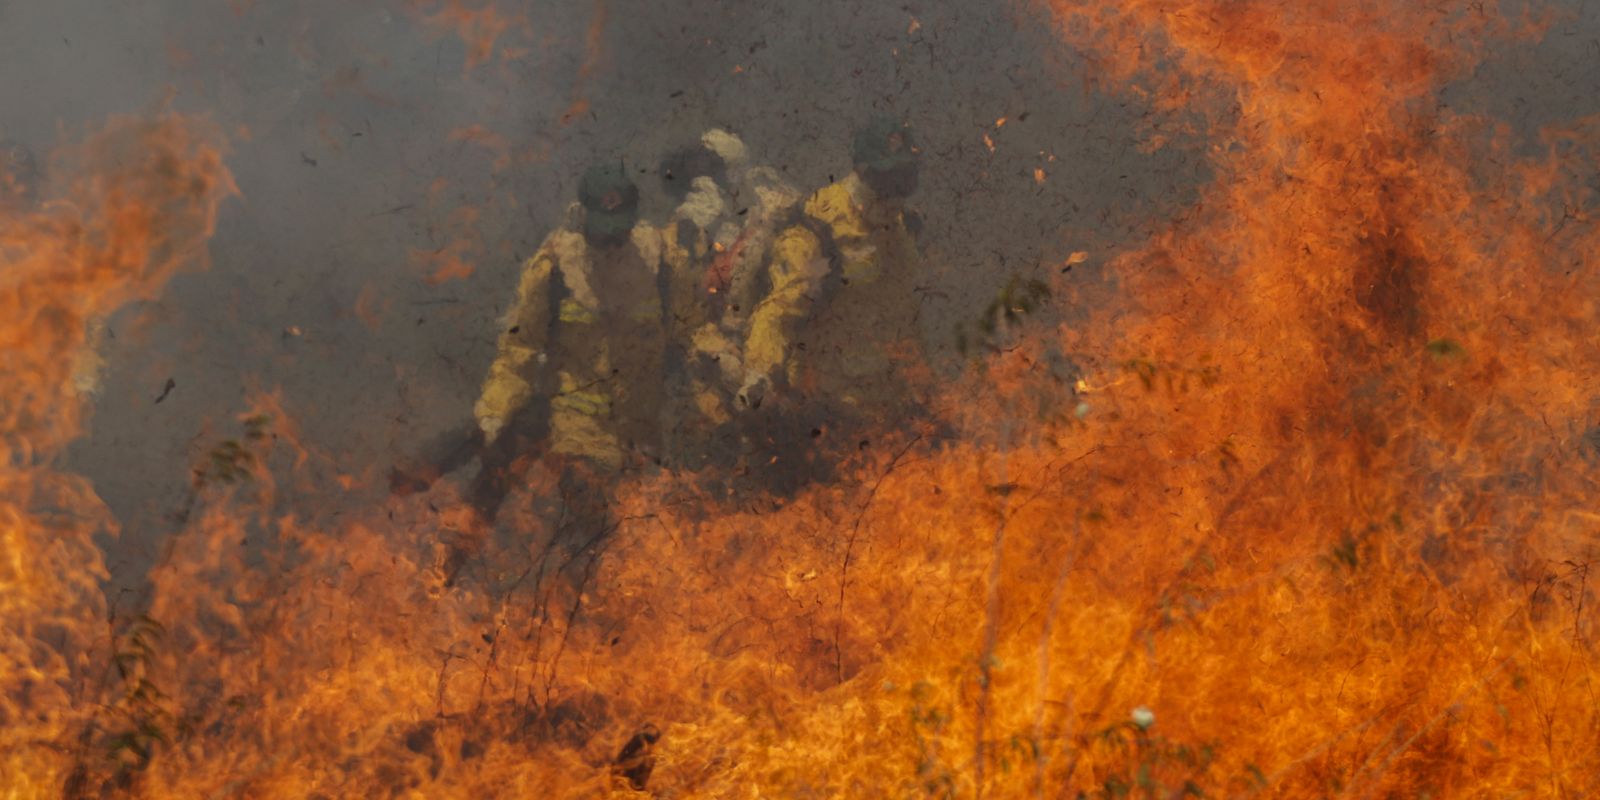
1306	508
142	210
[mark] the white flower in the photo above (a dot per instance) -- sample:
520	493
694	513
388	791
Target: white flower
1143	718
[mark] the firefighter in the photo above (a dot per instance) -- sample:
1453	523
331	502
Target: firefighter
576	383
716	241
578	374
837	316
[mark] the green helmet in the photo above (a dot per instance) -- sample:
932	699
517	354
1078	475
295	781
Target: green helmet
886	159
680	167
883	144
610	199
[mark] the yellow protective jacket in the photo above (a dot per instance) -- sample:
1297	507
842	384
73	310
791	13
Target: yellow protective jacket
691	247
716	243
586	335
840	294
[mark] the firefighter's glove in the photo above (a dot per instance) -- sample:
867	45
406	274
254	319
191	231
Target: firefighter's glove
754	391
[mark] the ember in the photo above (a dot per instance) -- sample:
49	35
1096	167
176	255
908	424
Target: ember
1293	497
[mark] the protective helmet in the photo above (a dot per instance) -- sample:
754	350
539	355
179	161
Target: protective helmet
883	144
610	199
726	145
886	159
680	167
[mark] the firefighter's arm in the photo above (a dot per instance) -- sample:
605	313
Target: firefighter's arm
711	343
678	259
835	209
795	271
509	385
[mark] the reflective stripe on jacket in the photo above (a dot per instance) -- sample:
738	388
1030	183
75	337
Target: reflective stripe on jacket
584	334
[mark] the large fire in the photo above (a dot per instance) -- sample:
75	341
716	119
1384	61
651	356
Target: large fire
142	210
1304	508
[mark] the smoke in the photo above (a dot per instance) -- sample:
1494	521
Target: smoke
378	235
398	160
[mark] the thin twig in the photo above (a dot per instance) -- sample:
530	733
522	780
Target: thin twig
1056	594
991	624
849	550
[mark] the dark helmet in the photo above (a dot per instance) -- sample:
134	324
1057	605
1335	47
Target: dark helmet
610	200
885	155
680	167
19	172
883	144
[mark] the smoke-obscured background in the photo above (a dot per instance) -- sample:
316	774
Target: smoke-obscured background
397	161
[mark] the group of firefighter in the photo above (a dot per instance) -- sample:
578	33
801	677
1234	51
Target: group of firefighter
751	332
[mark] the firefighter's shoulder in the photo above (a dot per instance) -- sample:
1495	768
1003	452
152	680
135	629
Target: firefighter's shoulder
832	203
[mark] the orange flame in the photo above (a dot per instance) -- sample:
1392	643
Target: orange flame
142	209
592	53
495	143
479	25
1303	509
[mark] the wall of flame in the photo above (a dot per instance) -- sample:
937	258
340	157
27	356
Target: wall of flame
1311	515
